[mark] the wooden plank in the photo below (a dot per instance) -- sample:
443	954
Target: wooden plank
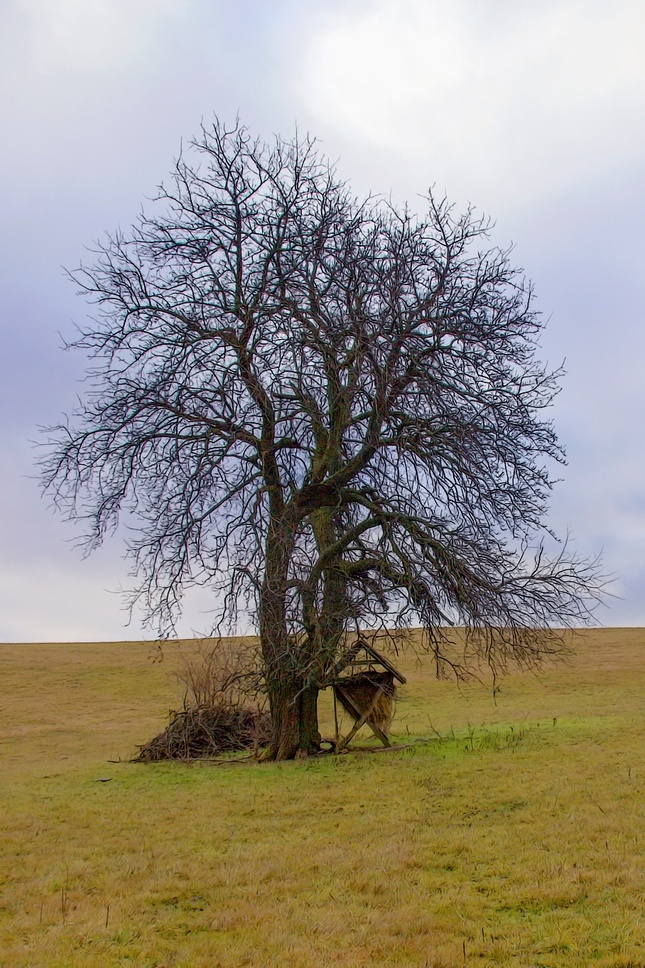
347	658
378	732
384	662
351	658
362	718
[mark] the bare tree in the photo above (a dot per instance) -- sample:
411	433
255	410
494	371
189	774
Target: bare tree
330	410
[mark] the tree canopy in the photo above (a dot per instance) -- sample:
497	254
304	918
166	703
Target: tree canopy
330	409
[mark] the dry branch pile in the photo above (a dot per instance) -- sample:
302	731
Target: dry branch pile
220	712
201	731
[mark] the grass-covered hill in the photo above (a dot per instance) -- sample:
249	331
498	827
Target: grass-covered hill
509	831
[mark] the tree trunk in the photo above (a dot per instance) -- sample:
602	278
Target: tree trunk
294	716
294	706
309	732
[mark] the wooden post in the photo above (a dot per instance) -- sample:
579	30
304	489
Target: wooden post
336	736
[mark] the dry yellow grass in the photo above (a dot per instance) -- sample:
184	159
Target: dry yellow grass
507	834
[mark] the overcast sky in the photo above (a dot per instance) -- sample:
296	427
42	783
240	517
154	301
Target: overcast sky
531	110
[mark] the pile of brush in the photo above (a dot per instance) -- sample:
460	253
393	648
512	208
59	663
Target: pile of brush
220	712
202	731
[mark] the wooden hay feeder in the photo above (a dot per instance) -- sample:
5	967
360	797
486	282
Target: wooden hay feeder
364	684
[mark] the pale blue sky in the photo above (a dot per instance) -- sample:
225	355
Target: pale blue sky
533	112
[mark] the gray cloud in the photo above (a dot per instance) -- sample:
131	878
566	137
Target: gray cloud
531	111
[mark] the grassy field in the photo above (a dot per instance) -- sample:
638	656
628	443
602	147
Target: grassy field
508	833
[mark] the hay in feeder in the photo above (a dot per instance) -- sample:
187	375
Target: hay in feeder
207	730
356	693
